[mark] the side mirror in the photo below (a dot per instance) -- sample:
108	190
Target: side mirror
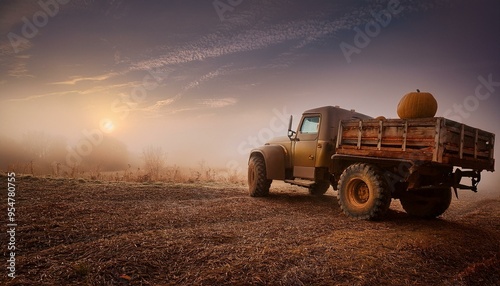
291	133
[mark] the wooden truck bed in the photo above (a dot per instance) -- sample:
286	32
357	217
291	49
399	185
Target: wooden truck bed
435	139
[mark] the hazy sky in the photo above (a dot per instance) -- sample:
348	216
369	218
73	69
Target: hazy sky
208	79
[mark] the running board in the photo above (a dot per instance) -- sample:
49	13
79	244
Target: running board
302	183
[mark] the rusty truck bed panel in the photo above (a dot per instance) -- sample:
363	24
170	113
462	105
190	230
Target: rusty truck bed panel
435	139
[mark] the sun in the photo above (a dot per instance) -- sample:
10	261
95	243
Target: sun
107	126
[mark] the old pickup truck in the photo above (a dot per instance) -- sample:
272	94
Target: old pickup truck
369	162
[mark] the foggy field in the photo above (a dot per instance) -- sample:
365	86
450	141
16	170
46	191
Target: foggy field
82	232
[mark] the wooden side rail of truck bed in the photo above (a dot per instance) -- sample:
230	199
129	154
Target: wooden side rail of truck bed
434	139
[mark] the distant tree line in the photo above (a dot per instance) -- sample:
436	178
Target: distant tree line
40	153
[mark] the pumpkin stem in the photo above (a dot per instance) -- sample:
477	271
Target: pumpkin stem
418	90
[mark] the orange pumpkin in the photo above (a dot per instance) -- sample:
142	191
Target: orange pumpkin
417	105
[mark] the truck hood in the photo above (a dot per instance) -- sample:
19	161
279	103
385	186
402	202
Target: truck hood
279	140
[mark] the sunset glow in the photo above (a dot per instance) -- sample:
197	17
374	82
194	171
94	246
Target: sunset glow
107	126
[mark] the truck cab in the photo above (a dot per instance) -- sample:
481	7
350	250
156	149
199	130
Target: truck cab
314	142
303	158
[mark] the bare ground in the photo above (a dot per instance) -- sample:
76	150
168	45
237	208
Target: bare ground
78	232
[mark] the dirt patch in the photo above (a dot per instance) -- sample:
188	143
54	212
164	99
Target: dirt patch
82	232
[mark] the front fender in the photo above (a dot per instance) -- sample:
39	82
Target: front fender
274	156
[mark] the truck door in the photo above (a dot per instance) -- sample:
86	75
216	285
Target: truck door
304	155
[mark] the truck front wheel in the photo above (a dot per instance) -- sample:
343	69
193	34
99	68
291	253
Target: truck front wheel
258	184
363	192
426	203
319	188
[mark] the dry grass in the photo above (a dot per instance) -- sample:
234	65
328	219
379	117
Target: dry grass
83	232
154	171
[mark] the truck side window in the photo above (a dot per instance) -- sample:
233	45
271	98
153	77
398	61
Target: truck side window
310	125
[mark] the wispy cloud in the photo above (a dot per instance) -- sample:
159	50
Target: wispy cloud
217	45
93	90
155	108
77	79
218	102
38	96
18	67
203	104
158	105
247	36
205	77
184	109
110	87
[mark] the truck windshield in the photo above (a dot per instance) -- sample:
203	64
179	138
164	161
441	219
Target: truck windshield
310	125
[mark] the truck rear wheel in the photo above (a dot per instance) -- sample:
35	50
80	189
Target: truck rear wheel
363	192
258	184
428	203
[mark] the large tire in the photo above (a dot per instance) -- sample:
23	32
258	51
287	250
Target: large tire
363	192
426	203
319	188
258	184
